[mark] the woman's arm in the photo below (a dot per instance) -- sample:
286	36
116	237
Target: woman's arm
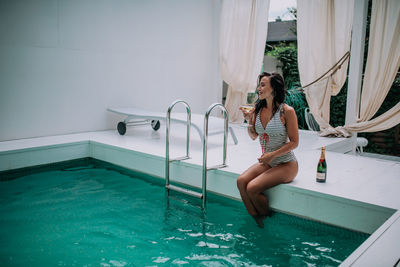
251	129
250	117
293	134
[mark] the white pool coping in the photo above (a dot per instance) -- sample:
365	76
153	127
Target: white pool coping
355	185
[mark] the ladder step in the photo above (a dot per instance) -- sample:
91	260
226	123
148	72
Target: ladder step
217	167
184	191
179	158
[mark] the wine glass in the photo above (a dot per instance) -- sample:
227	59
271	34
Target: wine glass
249	106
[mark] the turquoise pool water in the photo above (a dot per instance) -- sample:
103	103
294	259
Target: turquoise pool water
95	216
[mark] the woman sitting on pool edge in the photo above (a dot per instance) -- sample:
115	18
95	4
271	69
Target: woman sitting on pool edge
275	124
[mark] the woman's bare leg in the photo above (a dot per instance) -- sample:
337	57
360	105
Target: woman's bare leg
242	182
283	173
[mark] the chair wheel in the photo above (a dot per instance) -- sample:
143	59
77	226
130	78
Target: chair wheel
121	127
155	124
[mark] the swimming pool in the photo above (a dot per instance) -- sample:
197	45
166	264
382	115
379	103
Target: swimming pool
99	214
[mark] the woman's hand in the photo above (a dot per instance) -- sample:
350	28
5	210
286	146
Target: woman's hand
248	114
266	158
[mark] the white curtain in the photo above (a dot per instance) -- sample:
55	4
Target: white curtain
383	62
323	38
243	34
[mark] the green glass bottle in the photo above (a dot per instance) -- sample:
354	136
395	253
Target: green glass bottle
322	167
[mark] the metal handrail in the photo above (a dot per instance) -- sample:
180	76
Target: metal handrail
168	186
188	125
205	137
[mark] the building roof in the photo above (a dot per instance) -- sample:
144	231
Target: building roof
279	31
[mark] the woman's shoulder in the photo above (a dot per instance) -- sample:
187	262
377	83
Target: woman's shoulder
287	109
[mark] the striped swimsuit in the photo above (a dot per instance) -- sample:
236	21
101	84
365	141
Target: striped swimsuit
273	137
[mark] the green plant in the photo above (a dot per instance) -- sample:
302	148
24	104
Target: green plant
296	99
287	54
338	107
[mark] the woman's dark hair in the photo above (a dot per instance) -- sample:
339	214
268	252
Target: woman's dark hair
279	91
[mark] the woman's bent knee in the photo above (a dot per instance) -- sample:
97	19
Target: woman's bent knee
252	190
241	182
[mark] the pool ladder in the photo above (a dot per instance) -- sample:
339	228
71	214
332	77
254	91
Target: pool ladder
168	186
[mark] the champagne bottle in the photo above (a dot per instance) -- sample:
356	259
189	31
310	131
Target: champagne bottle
322	168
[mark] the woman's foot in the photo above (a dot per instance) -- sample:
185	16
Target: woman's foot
270	213
259	220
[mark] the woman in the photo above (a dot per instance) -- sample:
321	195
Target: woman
275	124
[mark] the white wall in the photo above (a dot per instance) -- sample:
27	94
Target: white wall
62	63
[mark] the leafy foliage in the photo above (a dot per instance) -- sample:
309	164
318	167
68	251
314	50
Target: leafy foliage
287	54
338	107
296	99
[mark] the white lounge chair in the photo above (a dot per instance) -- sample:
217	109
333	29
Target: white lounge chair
137	116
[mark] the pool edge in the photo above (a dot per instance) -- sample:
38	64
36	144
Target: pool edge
98	150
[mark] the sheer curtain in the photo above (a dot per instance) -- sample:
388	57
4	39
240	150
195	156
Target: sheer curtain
321	41
383	62
323	38
243	34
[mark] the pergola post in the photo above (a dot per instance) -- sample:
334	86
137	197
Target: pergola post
356	65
